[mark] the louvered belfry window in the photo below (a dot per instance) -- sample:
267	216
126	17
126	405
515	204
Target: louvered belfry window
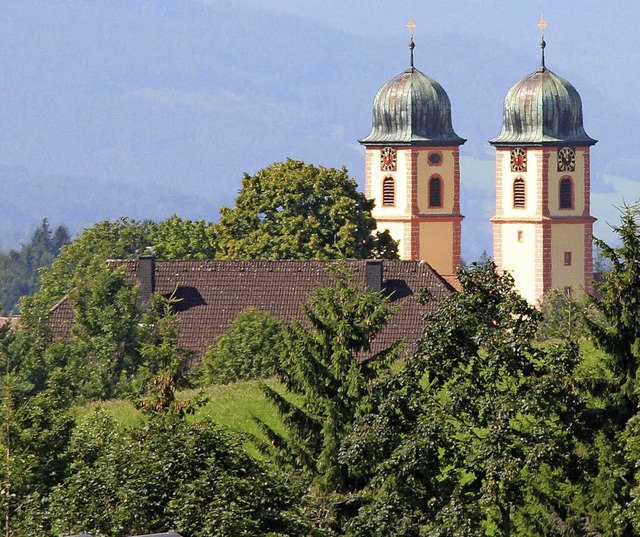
566	193
435	192
388	192
519	194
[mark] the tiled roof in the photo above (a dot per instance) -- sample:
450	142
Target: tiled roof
210	294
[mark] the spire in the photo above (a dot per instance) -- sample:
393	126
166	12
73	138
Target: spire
411	26
543	26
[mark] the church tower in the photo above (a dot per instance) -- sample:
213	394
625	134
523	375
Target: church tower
412	168
542	228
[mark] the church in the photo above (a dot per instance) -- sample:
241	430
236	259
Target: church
542	227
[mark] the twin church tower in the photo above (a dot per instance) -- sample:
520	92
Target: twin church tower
542	227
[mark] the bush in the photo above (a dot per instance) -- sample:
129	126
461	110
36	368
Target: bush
248	350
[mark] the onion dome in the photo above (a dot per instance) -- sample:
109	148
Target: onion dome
412	109
543	108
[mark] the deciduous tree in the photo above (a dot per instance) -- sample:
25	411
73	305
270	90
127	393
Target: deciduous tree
454	438
293	210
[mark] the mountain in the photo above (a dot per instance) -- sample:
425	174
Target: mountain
147	108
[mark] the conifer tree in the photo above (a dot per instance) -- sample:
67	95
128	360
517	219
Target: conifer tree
327	373
613	498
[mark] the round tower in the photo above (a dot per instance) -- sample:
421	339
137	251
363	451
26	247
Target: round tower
412	168
542	228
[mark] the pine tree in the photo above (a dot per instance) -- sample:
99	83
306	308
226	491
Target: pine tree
327	373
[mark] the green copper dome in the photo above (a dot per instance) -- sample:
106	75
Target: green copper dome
412	109
543	109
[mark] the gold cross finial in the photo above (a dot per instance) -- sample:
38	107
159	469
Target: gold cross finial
542	24
411	26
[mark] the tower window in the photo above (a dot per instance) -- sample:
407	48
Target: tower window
519	196
388	192
567	259
520	235
566	193
435	192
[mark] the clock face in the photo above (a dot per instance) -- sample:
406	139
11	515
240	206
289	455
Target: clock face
566	159
388	159
435	158
518	160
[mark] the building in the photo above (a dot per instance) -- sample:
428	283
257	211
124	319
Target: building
542	229
412	168
208	295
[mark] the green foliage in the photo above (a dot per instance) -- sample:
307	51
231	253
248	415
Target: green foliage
79	261
562	317
124	238
107	334
106	352
166	363
455	437
293	210
249	349
19	269
617	330
194	478
34	436
175	238
613	494
324	367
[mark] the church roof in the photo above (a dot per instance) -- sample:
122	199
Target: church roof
545	109
210	294
412	109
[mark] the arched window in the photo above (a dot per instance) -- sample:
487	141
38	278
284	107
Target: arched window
566	193
435	191
388	192
519	194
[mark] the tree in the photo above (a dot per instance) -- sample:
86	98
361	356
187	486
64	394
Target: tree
19	269
454	439
80	261
614	497
293	210
36	430
327	371
562	316
167	473
249	349
124	238
176	238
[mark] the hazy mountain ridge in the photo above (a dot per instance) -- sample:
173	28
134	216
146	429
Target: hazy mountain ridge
159	107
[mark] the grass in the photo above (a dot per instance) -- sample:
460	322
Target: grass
233	406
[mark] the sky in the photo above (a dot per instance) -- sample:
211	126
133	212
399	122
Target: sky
152	107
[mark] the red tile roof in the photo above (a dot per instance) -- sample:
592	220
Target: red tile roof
210	294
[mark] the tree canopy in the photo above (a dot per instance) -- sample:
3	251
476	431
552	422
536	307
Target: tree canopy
19	269
293	210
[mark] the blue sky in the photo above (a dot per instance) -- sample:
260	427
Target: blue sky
147	108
